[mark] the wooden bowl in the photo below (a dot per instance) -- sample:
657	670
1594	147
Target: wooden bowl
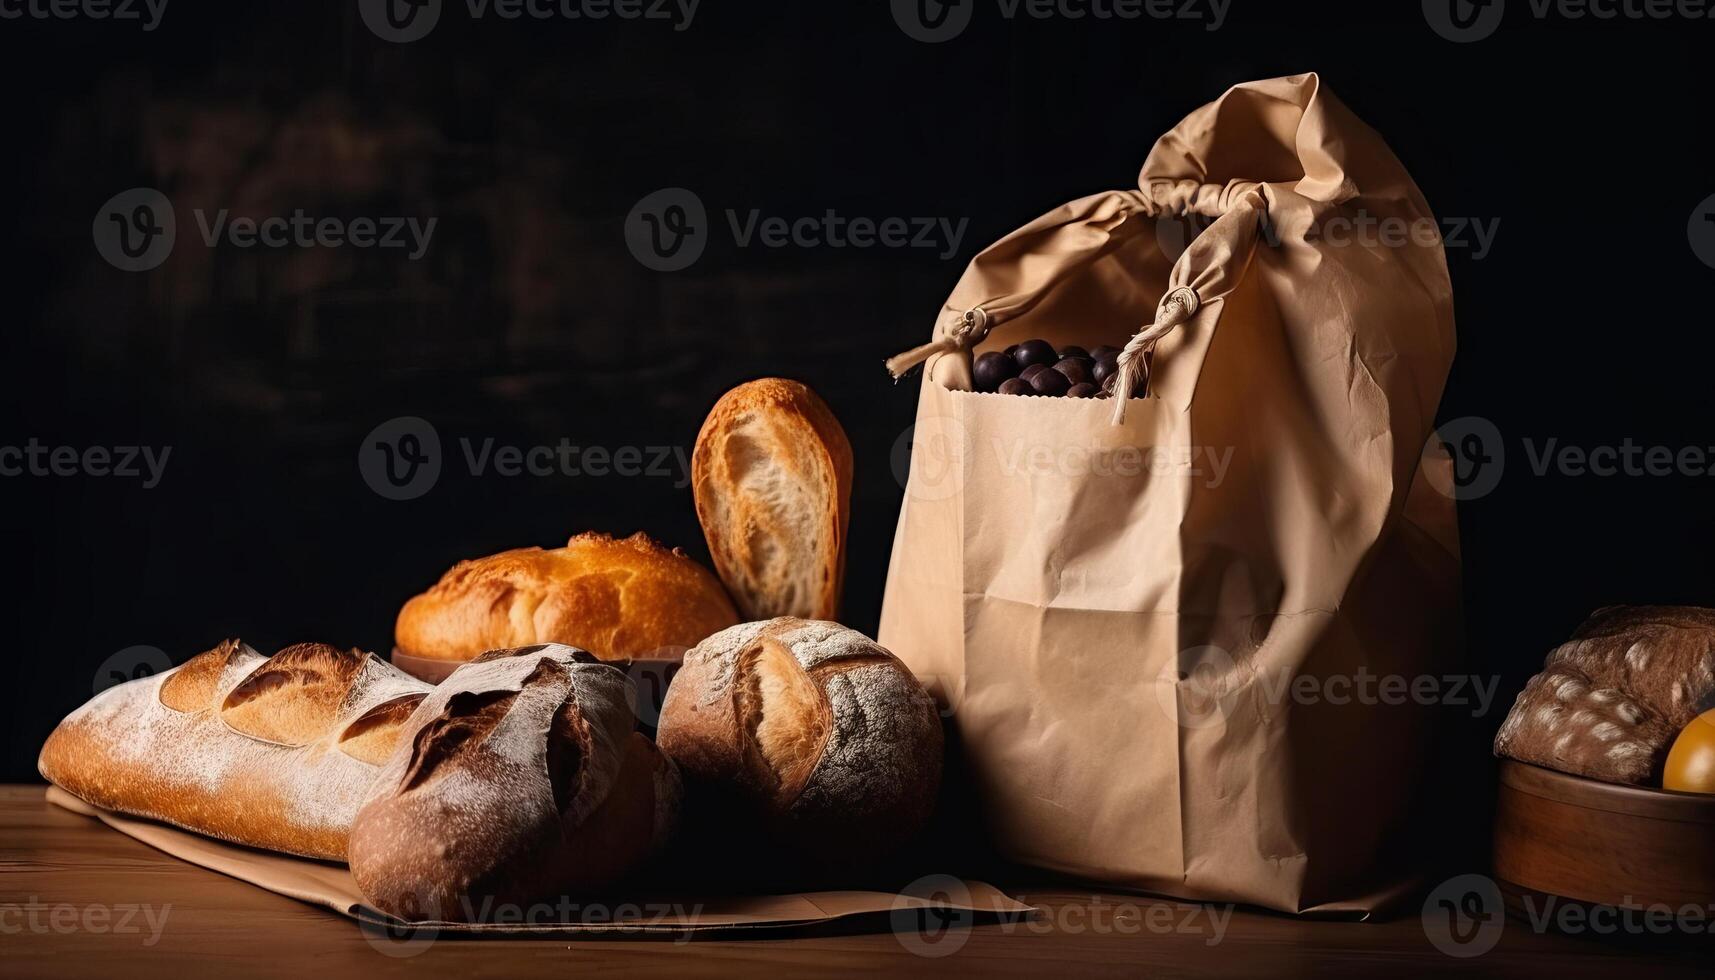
1602	844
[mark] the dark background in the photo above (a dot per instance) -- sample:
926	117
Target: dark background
529	320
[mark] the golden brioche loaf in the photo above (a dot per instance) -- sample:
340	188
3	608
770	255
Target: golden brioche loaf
772	477
273	752
617	599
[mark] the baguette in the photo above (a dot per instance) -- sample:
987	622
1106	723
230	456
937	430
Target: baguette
273	752
524	781
618	599
772	479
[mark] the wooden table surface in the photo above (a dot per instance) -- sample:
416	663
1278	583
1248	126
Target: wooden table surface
79	899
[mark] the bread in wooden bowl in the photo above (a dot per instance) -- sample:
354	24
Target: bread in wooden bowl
274	752
1609	702
772	478
807	737
616	598
524	782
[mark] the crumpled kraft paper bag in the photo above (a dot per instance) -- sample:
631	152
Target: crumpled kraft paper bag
1117	615
331	886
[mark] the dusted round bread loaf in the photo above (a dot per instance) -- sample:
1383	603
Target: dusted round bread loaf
810	733
618	599
523	782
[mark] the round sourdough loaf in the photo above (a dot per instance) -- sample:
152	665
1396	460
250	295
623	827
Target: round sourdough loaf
618	599
808	733
524	782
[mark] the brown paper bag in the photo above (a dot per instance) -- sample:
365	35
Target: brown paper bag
1155	633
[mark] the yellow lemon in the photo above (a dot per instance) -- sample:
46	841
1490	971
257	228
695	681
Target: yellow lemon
1691	761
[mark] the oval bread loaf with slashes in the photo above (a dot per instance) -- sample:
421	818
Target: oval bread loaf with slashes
809	734
273	752
524	781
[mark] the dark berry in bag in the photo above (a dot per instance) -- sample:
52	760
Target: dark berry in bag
1085	390
1073	350
1016	386
1049	382
1076	369
1032	371
1105	352
1104	370
991	369
1035	352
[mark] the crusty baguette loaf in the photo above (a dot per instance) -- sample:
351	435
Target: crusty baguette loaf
615	598
1610	701
273	752
772	478
807	735
524	782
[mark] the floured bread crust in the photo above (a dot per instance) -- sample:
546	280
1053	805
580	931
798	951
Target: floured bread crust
772	478
818	734
524	781
1609	702
274	752
615	598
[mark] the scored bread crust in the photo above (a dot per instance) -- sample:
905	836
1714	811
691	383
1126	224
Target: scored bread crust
523	781
1610	701
615	598
812	731
272	752
779	554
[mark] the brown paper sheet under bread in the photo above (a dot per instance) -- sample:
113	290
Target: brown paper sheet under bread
273	752
615	598
1610	701
772	478
819	738
524	781
671	912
